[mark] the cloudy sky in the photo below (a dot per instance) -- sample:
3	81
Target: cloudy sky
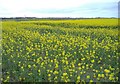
59	8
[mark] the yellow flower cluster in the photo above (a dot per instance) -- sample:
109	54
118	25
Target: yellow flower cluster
60	50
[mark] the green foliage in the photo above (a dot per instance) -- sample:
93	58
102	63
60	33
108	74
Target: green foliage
60	51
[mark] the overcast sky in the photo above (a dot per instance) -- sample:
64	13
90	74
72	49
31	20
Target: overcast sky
59	8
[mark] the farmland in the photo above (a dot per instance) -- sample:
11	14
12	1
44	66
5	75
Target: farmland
60	51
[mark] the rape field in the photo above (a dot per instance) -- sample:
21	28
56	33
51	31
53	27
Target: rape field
60	51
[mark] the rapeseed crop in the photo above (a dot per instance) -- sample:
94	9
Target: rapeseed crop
60	51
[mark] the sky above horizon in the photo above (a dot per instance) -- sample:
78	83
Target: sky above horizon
59	8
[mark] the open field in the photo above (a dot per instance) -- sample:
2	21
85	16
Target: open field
60	50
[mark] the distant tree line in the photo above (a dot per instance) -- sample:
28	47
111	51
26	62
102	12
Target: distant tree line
47	18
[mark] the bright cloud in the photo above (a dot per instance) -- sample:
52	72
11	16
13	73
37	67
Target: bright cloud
51	8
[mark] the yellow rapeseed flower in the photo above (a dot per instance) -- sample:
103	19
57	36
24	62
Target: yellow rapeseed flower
91	80
79	64
93	61
56	66
102	75
39	70
67	62
64	74
29	66
55	72
49	74
88	76
106	71
78	77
